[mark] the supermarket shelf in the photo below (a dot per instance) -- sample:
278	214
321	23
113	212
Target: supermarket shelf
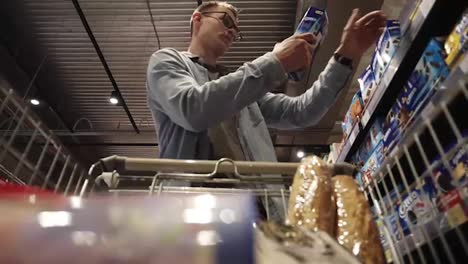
436	242
431	20
355	132
424	147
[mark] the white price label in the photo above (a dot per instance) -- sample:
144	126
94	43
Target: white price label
365	118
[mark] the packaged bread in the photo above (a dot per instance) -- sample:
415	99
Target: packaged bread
311	202
356	229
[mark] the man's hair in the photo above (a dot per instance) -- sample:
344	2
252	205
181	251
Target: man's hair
209	5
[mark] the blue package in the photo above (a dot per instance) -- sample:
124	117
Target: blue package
372	138
372	165
389	41
377	67
315	21
393	127
430	71
393	224
418	207
367	84
385	49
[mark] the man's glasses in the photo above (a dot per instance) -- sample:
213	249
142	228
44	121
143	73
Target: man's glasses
227	22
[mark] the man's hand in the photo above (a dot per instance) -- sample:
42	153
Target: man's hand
360	33
295	52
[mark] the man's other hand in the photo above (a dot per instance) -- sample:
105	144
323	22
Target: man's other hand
360	33
295	52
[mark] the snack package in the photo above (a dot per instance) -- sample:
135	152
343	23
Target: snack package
393	224
373	163
377	67
418	207
454	187
353	114
429	73
311	203
454	208
315	21
384	240
386	47
367	84
356	228
389	41
394	125
372	139
457	42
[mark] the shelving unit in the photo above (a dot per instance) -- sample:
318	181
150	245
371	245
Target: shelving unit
441	123
430	20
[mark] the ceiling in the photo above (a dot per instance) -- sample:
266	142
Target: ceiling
47	42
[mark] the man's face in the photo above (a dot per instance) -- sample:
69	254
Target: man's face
217	29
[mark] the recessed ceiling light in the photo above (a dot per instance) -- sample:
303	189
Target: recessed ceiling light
300	154
34	101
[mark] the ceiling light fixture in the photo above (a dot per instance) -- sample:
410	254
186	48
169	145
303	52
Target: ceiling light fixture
114	98
300	154
34	101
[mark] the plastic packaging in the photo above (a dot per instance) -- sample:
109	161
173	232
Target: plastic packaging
311	202
169	229
356	228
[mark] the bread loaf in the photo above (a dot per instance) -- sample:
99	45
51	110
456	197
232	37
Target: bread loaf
356	229
311	202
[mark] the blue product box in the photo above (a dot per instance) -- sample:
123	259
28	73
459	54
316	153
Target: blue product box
393	127
430	71
367	84
377	67
373	138
315	21
353	113
373	163
418	207
393	225
389	41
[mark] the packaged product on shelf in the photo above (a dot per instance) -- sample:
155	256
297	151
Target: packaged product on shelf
373	163
418	207
356	228
372	139
384	240
393	126
454	208
393	223
457	42
315	21
430	71
353	114
367	84
453	185
385	49
389	41
458	163
377	67
311	203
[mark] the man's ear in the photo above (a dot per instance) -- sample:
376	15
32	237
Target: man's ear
195	21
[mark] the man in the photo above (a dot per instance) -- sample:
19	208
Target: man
202	113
